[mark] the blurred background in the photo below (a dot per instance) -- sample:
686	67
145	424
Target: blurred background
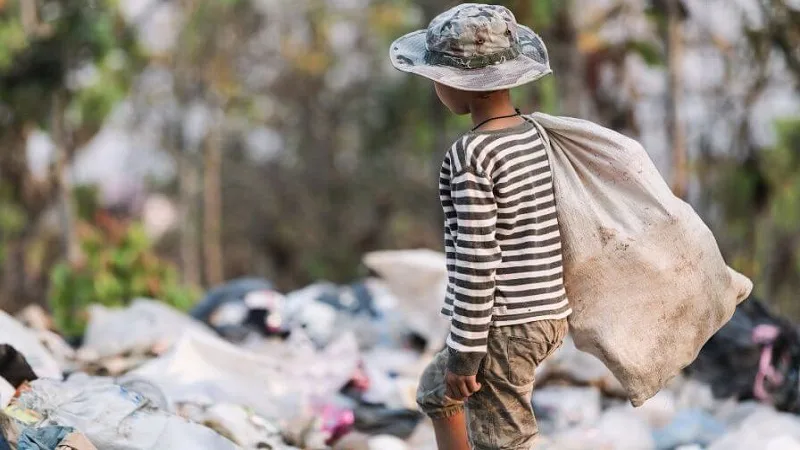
159	147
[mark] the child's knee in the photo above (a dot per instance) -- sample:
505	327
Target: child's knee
431	397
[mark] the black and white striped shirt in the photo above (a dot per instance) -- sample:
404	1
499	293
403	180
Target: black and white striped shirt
502	239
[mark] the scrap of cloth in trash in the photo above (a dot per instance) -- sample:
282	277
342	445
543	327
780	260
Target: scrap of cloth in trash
75	441
502	239
44	438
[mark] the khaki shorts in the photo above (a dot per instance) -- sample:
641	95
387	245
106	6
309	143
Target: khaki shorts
500	414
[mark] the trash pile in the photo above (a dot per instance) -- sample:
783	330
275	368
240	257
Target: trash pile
336	367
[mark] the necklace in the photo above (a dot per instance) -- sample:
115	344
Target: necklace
517	113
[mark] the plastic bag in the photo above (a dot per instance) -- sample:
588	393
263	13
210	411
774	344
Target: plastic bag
559	408
642	271
578	367
137	328
617	429
691	426
763	429
277	381
418	279
27	342
113	418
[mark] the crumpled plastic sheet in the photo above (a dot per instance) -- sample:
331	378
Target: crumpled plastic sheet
114	418
239	424
138	328
278	381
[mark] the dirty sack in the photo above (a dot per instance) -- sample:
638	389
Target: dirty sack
642	271
110	416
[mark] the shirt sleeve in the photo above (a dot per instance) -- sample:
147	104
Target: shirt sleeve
477	256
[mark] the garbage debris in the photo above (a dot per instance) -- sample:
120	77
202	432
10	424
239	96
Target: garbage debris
144	326
418	278
576	367
75	441
754	356
690	426
205	369
27	343
337	366
14	369
44	438
110	416
242	306
559	408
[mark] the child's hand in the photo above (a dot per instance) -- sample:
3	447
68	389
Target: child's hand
459	387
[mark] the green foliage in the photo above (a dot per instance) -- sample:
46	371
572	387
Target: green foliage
12	220
119	266
72	35
761	205
649	51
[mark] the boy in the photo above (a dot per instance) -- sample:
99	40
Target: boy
505	296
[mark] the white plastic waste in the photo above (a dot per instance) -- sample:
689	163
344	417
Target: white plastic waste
113	418
617	429
137	328
27	342
565	407
659	410
763	429
6	392
387	442
246	429
579	367
277	382
418	279
644	275
317	319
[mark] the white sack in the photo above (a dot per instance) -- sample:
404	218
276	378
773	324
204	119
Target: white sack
643	273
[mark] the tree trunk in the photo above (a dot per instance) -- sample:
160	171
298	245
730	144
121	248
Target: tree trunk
212	208
188	186
66	208
676	132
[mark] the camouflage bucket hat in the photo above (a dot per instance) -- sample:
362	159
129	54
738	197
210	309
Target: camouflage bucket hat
473	47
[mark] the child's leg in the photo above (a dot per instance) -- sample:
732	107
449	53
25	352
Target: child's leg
451	432
500	415
447	414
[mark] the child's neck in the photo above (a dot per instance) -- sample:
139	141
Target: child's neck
483	111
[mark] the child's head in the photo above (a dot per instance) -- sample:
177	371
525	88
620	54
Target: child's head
463	102
473	52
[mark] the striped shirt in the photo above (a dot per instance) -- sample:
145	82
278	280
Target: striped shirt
502	239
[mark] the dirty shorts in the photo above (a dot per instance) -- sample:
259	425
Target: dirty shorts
499	415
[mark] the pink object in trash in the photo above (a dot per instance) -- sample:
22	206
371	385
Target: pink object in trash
765	335
360	379
335	421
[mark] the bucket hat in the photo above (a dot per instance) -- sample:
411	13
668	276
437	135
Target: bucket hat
473	47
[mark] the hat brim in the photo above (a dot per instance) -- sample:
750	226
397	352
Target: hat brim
408	55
